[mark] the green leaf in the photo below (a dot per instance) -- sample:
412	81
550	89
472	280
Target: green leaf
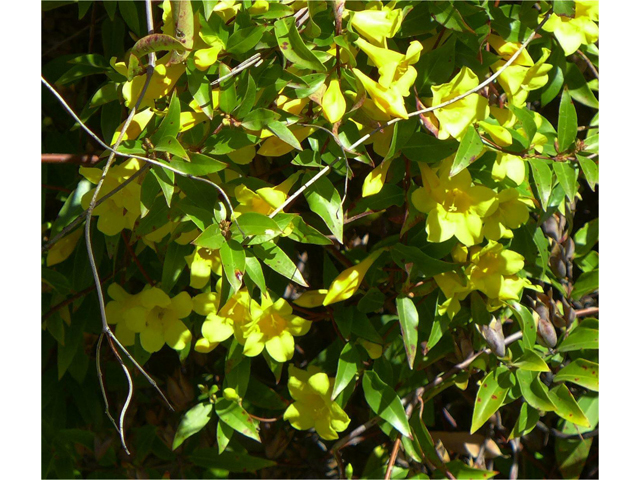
228	97
534	391
223	436
543	179
564	8
424	441
129	13
229	140
435	67
192	422
166	179
281	131
527	323
402	133
530	360
173	264
233	263
580	338
526	421
425	148
471	147
458	469
200	90
273	256
586	237
590	170
427	266
568	178
348	365
254	270
305	233
231	413
232	461
447	15
211	238
491	394
293	47
542	244
243	40
567	123
324	200
253	223
581	372
172	146
586	283
578	87
408	316
249	99
156	42
384	401
567	407
259	118
199	165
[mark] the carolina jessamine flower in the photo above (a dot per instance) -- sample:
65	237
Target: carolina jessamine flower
158	319
346	284
376	25
374	181
455	289
395	69
493	271
507	165
135	128
121	210
264	200
455	118
312	406
580	30
118	309
162	82
311	298
454	206
333	102
273	327
512	212
231	319
63	248
202	262
389	100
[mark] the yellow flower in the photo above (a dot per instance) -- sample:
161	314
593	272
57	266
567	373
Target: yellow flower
122	209
312	406
158	319
333	103
273	327
389	100
63	248
264	200
137	125
493	271
510	214
202	262
374	182
455	207
394	68
455	289
231	319
507	165
312	298
455	118
162	82
573	32
347	283
377	25
117	311
274	147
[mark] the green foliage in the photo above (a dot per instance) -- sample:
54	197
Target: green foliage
284	296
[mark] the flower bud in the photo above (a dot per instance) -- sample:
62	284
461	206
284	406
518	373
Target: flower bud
546	334
492	333
550	228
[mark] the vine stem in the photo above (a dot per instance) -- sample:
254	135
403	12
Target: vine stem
364	138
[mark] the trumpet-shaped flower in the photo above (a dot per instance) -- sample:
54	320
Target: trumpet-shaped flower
273	327
455	118
395	69
580	30
311	298
455	289
389	100
493	271
312	406
347	282
264	200
454	206
122	209
377	25
158	319
231	319
202	262
510	214
507	165
118	309
374	182
333	103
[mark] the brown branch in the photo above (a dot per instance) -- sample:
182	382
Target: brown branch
592	67
392	457
86	160
146	276
585	312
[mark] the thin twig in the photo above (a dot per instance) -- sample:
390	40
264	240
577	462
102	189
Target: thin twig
69	158
249	62
392	457
585	312
592	67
